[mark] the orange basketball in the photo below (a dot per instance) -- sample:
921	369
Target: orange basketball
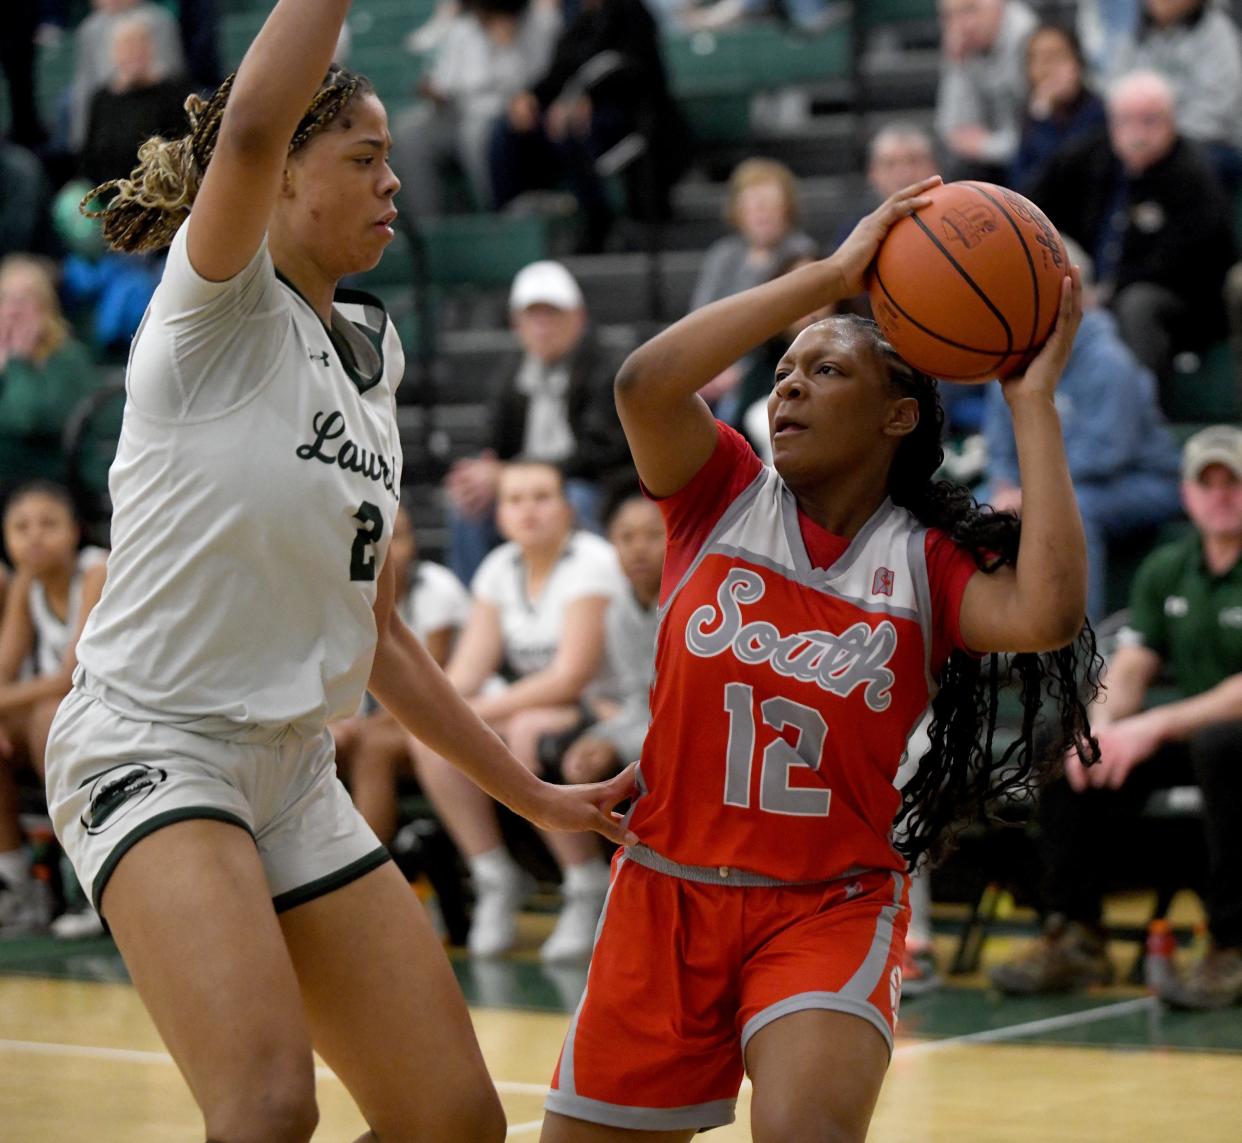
967	288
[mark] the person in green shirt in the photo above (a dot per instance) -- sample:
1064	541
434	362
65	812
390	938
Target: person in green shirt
1185	620
44	372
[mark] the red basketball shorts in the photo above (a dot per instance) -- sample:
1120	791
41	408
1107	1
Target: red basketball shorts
685	972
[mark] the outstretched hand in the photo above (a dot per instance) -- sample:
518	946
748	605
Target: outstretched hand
587	807
854	256
1046	367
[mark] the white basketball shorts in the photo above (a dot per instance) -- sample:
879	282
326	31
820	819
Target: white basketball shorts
113	780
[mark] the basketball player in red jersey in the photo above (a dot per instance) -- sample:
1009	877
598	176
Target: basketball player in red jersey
810	614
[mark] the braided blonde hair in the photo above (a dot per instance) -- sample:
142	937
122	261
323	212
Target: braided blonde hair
146	209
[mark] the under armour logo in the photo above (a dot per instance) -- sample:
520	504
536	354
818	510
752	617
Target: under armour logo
882	582
853	889
322	358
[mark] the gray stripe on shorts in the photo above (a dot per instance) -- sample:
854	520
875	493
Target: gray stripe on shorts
862	984
718	1113
818	1001
726	875
567	1055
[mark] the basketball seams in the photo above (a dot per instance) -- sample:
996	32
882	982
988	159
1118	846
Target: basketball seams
998	354
948	254
1026	252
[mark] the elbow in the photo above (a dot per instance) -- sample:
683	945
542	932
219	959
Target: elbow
635	372
1060	626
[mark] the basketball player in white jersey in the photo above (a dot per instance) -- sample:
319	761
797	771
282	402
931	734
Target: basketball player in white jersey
190	775
53	591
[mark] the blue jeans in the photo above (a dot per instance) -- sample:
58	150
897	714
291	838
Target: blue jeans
472	537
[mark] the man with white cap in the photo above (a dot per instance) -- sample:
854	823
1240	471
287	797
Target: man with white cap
552	402
1185	621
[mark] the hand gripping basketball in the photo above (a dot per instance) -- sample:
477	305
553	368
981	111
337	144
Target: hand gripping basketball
853	258
967	287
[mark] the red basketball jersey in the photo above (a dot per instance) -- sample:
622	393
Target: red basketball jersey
785	693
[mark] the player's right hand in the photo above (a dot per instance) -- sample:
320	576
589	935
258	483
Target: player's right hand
853	258
586	807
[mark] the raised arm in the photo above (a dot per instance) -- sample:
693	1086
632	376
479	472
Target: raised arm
669	427
274	86
1039	603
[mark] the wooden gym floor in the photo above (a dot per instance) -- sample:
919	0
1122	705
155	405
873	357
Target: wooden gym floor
79	1059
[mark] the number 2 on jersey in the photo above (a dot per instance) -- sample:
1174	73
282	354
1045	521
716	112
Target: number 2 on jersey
370	529
776	795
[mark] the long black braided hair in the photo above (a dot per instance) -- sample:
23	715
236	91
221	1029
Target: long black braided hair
141	213
961	779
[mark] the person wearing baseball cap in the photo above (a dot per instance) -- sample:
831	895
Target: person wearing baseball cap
1185	623
551	401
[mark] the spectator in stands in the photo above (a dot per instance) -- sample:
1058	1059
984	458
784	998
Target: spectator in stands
137	101
1196	46
17	61
552	401
1122	458
23	201
44	372
982	89
605	84
372	749
92	55
636	530
1105	27
538	611
1060	107
1145	205
490	51
1185	618
762	209
53	590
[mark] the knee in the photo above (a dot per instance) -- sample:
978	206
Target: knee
800	1125
474	1117
275	1107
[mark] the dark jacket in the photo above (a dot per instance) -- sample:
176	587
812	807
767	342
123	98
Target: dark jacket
601	453
1043	138
120	123
1178	232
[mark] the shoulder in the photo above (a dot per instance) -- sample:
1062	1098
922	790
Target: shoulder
587	551
1169	561
499	567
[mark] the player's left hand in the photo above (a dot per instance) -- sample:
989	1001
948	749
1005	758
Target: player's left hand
587	807
1045	369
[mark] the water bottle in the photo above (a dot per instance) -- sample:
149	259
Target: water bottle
1159	971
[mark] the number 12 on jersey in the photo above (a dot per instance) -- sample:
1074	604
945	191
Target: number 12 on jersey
776	795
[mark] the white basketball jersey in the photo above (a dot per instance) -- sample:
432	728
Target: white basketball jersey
52	633
254	492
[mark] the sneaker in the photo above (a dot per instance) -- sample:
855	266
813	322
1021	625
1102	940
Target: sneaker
1068	956
918	972
25	907
493	927
574	935
78	924
1215	981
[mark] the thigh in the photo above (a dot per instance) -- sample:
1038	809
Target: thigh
816	1075
387	1014
654	1045
560	1129
189	908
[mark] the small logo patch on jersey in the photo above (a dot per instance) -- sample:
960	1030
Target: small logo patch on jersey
1176	606
117	791
322	358
882	582
853	889
1231	617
